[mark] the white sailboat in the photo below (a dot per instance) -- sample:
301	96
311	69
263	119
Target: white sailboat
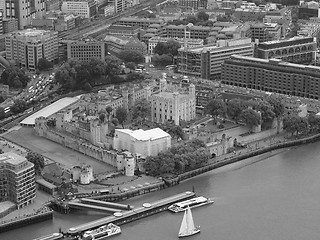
187	227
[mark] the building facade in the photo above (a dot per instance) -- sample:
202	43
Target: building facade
116	45
295	50
141	22
27	46
182	31
83	8
17	179
146	143
173	104
124	31
24	10
272	75
194	4
84	50
10	25
205	62
265	32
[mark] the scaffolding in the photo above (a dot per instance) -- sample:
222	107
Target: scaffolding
189	62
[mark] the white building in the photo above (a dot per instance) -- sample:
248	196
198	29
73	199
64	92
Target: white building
82	8
109	10
188	42
121	5
146	143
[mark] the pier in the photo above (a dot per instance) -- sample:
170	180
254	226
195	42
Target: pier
120	218
79	205
54	236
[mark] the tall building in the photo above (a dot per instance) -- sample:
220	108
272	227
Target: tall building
17	179
294	50
82	8
205	62
84	50
121	5
272	75
173	104
24	10
27	46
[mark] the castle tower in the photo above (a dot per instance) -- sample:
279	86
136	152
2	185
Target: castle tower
125	95
176	115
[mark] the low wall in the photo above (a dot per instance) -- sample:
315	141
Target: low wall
44	214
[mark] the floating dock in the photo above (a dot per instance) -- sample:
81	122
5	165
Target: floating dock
128	216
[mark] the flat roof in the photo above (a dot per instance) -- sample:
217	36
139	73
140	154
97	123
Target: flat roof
49	110
142	135
12	158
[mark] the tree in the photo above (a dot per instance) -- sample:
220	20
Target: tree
176	131
115	121
18	106
169	48
161	61
112	65
131	65
277	104
141	109
87	87
314	122
133	76
131	56
109	111
44	64
251	117
11	74
121	115
234	108
38	161
295	125
266	110
202	16
216	107
102	117
2	113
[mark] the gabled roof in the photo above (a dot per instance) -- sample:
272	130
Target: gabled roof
141	135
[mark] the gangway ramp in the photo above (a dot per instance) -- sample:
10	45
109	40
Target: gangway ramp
106	204
92	207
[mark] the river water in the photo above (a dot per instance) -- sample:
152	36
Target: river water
275	198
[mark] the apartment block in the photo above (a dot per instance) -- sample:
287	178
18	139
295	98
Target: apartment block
17	179
27	46
272	75
301	50
141	22
194	4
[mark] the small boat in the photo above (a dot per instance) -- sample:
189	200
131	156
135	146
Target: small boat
187	227
102	232
192	203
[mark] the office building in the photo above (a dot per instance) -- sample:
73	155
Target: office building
124	31
10	25
24	10
205	62
181	31
172	104
82	8
272	75
17	179
122	5
115	45
84	50
265	31
300	50
27	46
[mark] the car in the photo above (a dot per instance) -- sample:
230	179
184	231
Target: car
151	65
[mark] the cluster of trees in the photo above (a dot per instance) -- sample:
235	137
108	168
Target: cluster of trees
141	110
131	56
296	125
14	77
247	110
82	75
44	64
201	19
178	159
38	161
164	52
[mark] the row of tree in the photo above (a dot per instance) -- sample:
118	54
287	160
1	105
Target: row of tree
296	125
247	110
178	159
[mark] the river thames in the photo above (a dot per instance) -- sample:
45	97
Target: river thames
275	198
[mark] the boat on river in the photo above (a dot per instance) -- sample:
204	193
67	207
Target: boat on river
192	203
187	227
101	232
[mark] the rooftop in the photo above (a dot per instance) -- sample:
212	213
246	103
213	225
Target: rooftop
11	158
142	135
